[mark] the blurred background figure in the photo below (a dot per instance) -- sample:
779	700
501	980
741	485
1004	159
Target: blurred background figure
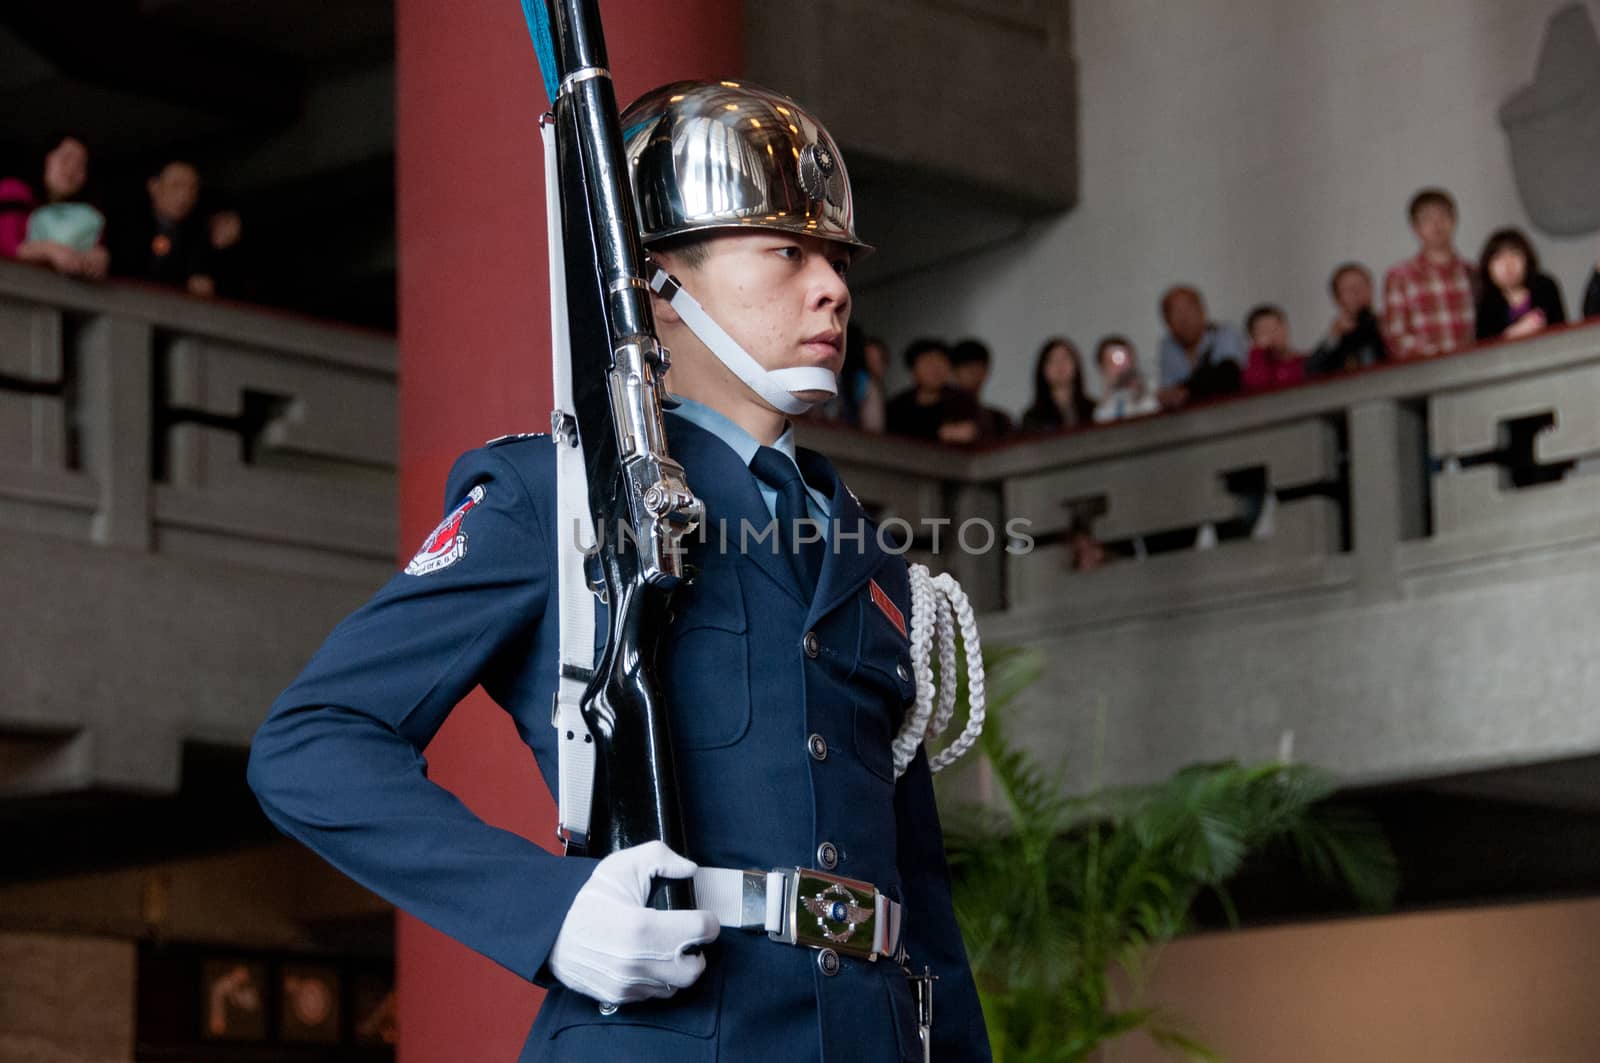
1591	294
860	400
1124	392
1198	358
64	232
159	241
969	362
871	394
1354	339
229	265
1273	363
16	203
1515	299
1428	298
933	407
1085	551
1060	397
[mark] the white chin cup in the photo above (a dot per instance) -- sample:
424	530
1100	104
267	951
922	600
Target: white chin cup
778	386
805	378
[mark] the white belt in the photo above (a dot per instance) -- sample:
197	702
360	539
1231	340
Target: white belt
800	906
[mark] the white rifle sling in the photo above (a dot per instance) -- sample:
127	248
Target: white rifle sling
575	749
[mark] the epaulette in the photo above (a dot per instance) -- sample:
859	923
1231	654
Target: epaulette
514	437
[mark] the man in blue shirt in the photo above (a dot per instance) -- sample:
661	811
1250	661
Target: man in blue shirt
1199	359
787	673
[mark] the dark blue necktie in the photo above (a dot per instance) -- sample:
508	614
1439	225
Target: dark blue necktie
774	468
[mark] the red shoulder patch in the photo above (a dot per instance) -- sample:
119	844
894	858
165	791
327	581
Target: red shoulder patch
885	605
448	543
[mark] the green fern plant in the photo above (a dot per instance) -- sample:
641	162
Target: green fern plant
1058	893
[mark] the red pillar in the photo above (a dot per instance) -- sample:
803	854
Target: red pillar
474	363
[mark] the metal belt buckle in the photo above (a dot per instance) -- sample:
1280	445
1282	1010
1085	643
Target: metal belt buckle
823	911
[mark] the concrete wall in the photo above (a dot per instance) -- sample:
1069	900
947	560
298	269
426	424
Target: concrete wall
921	97
1491	985
65	999
267	896
1410	651
147	513
1247	146
939	81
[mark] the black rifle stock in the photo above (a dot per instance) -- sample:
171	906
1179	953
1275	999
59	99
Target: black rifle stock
617	365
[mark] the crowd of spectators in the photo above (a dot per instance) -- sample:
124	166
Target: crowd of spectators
164	233
1434	302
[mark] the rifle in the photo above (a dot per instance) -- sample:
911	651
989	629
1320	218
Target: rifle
634	486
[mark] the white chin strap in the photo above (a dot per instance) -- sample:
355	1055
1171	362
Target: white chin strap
777	386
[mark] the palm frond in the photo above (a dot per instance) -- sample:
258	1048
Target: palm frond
1181	1044
1054	891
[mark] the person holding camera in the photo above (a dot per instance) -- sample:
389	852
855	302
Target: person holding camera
1124	392
1354	339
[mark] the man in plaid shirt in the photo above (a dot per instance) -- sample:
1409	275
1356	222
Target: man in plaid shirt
1428	300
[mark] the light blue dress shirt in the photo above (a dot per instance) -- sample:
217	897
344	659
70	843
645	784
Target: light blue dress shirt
745	445
1225	342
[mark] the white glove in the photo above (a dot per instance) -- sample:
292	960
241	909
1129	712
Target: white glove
614	949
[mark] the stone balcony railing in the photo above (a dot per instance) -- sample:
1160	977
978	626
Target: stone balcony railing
1401	587
191	494
1417	600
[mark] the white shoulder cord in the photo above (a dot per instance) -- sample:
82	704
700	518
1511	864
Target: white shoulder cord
574	532
939	606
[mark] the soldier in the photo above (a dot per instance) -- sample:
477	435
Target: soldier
787	677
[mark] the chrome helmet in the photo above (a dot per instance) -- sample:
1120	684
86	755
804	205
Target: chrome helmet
706	155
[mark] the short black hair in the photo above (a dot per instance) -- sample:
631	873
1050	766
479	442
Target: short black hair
61	136
968	351
158	166
1264	310
926	345
1341	269
58	138
1509	238
691	249
1044	402
1430	197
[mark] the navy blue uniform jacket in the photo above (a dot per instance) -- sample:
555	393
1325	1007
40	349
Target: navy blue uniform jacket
338	765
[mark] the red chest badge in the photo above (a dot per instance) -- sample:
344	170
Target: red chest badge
881	599
448	543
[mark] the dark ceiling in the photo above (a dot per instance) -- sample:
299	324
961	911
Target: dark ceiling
137	74
227	84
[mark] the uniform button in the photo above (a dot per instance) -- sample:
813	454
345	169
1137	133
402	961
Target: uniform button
900	670
828	962
608	1009
818	746
812	644
827	856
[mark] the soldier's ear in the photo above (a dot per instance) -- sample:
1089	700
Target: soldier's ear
663	310
659	306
